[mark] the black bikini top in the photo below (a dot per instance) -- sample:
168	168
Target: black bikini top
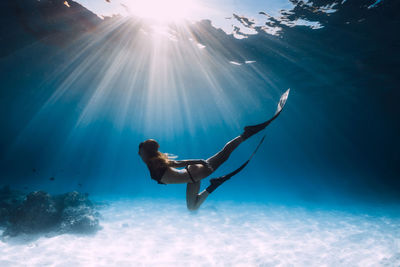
157	171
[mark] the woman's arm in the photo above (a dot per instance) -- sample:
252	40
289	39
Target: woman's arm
184	163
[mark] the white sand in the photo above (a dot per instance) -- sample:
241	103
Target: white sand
164	233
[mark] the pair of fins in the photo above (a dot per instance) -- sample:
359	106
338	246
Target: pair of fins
248	132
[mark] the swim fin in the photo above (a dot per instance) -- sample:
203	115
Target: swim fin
253	129
215	182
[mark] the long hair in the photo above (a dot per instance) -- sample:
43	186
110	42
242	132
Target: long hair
155	158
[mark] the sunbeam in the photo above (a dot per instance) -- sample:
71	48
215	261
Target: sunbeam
160	11
137	77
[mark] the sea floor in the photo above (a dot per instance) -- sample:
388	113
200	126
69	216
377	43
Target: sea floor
161	232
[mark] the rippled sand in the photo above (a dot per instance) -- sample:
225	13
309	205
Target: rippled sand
164	233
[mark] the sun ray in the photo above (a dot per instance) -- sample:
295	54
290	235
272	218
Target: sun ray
160	11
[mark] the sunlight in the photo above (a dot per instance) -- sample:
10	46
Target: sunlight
161	11
141	74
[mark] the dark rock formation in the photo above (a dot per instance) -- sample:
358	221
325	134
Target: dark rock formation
78	214
9	200
39	212
36	214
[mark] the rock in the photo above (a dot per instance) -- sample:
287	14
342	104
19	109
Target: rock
75	199
78	214
80	219
5	190
39	212
4	216
9	200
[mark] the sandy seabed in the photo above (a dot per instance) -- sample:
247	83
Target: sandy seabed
163	233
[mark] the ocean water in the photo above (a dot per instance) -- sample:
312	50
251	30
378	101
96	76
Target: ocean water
84	82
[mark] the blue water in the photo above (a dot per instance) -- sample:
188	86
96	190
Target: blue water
78	94
75	104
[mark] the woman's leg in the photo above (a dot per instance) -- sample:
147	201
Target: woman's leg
219	158
200	172
193	198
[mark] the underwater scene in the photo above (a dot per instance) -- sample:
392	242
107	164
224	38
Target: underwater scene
199	133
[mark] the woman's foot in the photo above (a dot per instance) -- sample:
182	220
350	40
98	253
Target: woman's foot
216	182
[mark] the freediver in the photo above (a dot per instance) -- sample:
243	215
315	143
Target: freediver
163	170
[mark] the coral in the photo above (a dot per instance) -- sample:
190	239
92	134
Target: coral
39	212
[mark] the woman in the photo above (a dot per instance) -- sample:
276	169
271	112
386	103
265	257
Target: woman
164	171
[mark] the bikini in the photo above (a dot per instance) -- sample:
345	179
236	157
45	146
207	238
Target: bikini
157	173
190	175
